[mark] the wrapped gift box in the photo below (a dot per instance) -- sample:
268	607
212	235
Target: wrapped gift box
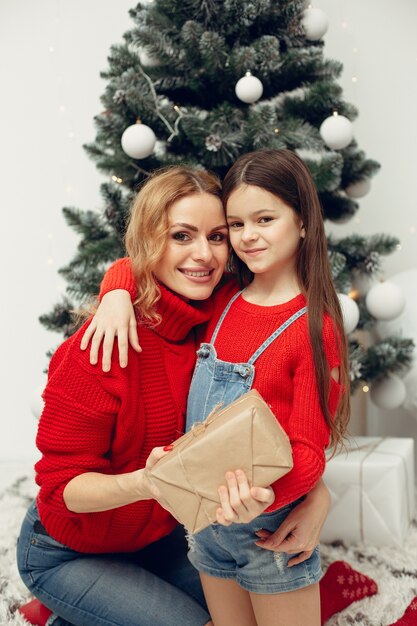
372	490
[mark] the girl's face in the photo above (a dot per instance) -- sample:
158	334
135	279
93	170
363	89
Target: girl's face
264	231
196	253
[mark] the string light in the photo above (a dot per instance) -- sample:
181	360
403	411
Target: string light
117	179
276	131
71	134
354	294
62	108
344	24
50	261
399	246
51	49
365	388
412	229
354	79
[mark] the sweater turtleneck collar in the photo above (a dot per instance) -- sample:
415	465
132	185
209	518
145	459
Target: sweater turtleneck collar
179	317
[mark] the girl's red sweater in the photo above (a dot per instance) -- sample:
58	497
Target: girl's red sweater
284	373
109	422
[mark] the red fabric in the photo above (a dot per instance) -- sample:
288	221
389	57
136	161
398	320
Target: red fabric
285	378
109	422
340	586
410	616
284	373
35	613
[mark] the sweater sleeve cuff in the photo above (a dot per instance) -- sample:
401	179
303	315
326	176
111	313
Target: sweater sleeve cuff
119	276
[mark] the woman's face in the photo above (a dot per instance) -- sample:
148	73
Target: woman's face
196	253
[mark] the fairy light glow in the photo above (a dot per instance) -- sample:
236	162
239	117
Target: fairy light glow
365	388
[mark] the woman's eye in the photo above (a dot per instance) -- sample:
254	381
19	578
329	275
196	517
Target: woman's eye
265	219
218	237
181	236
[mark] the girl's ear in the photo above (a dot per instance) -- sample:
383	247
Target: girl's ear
302	231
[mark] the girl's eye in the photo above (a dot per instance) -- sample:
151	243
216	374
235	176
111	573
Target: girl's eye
181	236
218	237
265	219
235	225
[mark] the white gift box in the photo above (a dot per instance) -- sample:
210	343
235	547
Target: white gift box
372	490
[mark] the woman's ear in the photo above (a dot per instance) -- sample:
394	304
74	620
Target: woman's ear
302	231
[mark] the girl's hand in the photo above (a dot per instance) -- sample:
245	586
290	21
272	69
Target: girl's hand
115	317
300	531
241	503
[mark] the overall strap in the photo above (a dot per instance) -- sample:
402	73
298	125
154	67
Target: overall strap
276	334
223	315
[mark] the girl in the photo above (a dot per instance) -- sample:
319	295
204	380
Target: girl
283	334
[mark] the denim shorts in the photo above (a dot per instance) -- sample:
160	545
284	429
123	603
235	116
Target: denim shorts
230	552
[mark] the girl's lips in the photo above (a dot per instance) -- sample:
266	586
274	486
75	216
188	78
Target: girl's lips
254	252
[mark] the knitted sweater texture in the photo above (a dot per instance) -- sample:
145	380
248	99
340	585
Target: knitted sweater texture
95	421
284	373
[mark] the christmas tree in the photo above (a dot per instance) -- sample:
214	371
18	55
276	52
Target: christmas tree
201	82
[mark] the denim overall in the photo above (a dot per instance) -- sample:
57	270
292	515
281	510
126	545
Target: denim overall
230	551
220	382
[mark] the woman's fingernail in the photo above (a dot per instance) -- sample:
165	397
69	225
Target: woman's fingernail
168	448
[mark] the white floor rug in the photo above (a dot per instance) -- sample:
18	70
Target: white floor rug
395	571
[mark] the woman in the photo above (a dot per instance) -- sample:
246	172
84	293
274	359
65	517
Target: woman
87	546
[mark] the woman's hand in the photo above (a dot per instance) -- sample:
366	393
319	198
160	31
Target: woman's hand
300	531
115	317
92	492
241	503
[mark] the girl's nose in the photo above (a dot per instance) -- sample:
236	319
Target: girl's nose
249	233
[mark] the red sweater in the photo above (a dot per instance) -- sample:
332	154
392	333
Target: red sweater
109	422
284	373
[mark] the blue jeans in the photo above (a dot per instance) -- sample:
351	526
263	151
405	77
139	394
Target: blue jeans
156	586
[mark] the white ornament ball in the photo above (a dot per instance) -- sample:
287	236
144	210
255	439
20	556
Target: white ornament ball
138	141
389	393
410	382
337	132
249	88
359	189
148	60
315	23
36	402
385	301
350	311
405	325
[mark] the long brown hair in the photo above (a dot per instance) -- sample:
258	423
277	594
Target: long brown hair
284	174
147	231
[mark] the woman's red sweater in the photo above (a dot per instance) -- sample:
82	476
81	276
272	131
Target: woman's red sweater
284	373
95	421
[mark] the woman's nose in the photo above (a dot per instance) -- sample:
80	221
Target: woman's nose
202	251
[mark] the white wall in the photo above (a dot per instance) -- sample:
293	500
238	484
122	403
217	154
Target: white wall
52	52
